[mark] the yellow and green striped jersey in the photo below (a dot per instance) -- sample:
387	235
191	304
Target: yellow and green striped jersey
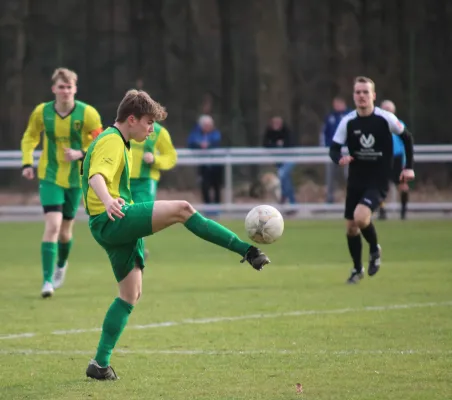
73	131
160	145
110	156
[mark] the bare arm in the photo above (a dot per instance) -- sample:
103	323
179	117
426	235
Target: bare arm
97	182
112	206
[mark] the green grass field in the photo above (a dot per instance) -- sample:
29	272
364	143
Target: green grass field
208	327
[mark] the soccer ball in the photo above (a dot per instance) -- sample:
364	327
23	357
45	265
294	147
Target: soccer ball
264	224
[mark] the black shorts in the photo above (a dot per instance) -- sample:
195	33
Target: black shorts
397	168
370	197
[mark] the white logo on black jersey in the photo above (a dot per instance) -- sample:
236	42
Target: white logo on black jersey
367	142
357	132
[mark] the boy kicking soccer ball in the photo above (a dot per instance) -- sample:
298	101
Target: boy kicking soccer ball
119	225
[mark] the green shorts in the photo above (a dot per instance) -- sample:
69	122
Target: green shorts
122	239
52	195
143	190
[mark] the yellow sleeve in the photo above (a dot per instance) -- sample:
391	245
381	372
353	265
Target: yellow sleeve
106	157
92	126
167	155
32	135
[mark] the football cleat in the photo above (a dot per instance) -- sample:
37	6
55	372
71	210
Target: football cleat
95	371
256	258
59	275
47	290
374	262
355	276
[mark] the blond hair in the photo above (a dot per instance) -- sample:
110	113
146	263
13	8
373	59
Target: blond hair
138	103
364	79
66	75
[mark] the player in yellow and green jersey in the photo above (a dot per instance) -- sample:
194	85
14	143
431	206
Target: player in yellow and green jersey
155	154
68	126
119	225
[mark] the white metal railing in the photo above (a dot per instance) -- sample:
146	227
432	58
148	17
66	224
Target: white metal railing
228	157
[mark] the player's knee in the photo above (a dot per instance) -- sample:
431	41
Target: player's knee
52	228
352	228
184	211
362	216
131	296
65	236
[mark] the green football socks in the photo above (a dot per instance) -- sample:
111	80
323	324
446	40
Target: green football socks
114	323
216	233
48	258
63	253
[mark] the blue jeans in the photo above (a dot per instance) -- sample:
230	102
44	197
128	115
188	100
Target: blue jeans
287	190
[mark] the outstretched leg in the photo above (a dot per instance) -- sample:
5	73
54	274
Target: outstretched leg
167	213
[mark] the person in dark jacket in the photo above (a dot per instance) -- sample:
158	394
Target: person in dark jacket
278	135
206	136
329	128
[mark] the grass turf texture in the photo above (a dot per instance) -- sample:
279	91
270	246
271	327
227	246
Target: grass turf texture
344	349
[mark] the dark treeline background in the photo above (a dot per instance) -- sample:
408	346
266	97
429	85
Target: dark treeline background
247	59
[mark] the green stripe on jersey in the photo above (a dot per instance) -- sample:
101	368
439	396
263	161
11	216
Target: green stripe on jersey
124	184
49	127
77	121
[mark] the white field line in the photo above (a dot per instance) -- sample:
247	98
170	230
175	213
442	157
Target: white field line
240	318
349	352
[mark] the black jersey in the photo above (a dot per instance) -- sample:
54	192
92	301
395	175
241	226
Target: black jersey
369	142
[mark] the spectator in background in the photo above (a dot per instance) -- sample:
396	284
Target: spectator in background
278	135
206	136
397	166
329	128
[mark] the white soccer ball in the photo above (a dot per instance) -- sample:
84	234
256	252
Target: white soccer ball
264	224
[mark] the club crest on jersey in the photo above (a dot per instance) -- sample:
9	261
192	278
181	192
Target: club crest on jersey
77	125
367	142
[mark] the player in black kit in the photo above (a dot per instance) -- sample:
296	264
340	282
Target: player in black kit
367	132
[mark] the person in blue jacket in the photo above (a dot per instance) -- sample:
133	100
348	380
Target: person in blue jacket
398	165
330	125
206	136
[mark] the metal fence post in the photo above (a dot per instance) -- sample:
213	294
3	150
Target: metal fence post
228	184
